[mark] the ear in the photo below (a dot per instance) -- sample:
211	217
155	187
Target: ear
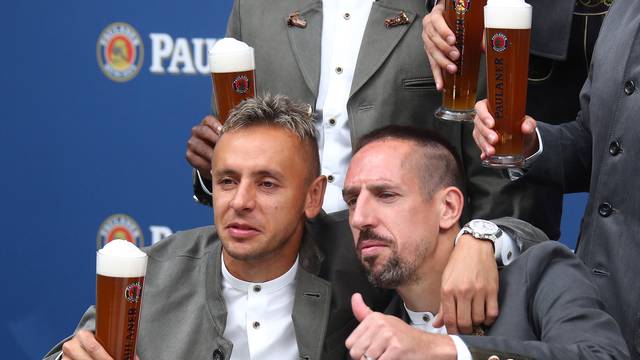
452	202
315	196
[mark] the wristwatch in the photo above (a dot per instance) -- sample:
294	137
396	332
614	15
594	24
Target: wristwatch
482	230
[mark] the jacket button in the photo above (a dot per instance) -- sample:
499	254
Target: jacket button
615	148
629	87
605	209
218	355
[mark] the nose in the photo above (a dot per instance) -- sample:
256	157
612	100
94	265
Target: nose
244	197
362	214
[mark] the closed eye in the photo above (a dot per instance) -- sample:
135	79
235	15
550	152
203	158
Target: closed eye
387	195
351	201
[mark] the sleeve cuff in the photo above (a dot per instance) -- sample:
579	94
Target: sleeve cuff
534	156
461	348
517	173
506	249
59	357
202	184
430	4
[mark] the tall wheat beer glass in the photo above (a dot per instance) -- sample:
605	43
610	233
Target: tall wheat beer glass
120	268
233	74
464	18
508	30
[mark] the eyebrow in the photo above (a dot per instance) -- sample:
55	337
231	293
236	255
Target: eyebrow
223	172
269	173
376	188
349	191
261	173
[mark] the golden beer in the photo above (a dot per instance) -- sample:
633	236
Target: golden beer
464	18
508	30
230	89
232	74
120	269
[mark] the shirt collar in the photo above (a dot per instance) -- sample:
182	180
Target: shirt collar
267	286
424	320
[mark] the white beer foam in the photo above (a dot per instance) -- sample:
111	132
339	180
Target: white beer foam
120	258
230	55
507	14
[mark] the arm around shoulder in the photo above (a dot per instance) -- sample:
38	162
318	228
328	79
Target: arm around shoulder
564	308
523	233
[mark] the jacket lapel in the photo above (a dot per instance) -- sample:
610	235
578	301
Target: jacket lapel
312	301
215	302
311	313
378	42
306	44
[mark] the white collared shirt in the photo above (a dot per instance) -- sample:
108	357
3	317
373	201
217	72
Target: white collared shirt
424	321
343	25
259	322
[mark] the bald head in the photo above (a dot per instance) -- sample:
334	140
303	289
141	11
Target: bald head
433	159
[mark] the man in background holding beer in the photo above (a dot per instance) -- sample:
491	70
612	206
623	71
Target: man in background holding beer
563	36
361	66
598	152
265	283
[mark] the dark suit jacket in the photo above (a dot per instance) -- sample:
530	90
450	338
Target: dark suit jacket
563	35
549	309
598	153
183	313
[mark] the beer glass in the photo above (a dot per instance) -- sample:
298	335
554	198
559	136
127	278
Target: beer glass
464	18
232	67
508	30
120	268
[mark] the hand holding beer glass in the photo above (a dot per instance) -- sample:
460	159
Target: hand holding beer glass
120	268
508	29
464	18
232	67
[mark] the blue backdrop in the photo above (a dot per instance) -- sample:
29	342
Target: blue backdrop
77	147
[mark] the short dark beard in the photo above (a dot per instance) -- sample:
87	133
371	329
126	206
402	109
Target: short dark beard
394	273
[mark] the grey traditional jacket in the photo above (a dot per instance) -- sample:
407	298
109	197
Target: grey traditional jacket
599	152
549	309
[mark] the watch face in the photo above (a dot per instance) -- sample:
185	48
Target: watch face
483	226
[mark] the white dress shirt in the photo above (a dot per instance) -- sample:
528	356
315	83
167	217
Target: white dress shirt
343	25
259	322
424	321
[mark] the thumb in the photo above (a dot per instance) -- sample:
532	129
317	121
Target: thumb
439	320
360	309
